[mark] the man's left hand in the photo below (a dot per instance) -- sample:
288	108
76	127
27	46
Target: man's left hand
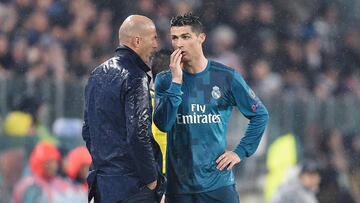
228	159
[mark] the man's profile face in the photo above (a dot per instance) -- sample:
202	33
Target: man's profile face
190	43
149	44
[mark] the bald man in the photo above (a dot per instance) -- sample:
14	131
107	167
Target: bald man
126	165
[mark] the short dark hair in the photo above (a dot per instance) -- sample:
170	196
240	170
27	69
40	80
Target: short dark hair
160	62
188	19
310	166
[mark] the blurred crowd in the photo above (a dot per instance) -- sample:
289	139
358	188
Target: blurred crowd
307	48
48	177
276	48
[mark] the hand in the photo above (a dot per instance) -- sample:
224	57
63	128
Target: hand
228	159
162	199
176	66
152	185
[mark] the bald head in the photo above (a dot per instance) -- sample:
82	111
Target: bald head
139	34
134	26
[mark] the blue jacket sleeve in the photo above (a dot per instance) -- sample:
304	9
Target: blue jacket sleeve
86	132
86	129
138	127
167	102
254	110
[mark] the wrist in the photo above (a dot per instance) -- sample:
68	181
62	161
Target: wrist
240	152
177	80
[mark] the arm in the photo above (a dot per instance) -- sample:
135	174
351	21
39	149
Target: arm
86	129
138	125
253	109
168	99
166	104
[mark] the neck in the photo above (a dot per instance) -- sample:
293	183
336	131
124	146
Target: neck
197	65
128	45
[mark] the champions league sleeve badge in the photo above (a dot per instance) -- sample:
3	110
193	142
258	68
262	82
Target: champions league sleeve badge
252	93
215	93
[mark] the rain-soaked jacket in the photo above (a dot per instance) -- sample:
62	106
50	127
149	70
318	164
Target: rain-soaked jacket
117	129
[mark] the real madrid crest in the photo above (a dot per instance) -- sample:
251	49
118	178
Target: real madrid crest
215	93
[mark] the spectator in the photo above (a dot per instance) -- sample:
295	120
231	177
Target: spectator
5	59
223	41
313	59
265	82
43	184
26	119
12	162
19	63
302	188
353	154
242	21
349	53
77	164
327	27
326	83
268	49
335	177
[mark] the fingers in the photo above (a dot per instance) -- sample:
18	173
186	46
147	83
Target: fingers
175	58
220	158
232	164
227	160
223	163
174	53
172	56
176	66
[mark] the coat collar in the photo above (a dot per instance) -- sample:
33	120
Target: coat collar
133	56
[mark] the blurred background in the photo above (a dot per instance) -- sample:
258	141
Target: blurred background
301	57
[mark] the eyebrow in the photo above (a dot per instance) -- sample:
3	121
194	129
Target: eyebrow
183	34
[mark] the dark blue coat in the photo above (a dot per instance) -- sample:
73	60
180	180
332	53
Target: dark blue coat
117	129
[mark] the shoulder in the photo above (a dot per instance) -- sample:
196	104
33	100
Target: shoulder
226	73
105	66
163	77
219	67
116	64
162	81
221	73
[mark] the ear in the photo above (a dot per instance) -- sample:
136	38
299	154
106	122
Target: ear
135	41
202	37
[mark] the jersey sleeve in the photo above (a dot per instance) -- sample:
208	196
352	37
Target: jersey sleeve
167	101
254	110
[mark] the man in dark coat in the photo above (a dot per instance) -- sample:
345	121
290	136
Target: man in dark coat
126	163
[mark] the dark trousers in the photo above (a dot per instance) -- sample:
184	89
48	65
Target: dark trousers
144	196
226	194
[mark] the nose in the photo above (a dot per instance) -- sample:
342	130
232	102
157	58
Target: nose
179	44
